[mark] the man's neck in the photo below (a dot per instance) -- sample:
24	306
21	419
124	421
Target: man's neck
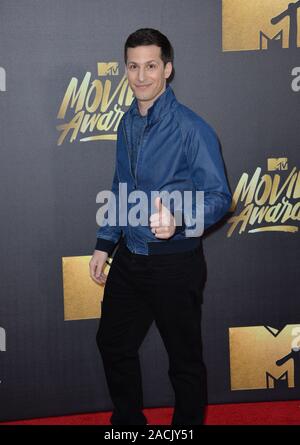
144	106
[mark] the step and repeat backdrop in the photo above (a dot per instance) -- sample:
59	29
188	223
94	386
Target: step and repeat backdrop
63	92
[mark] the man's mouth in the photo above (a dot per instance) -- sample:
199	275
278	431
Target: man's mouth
142	87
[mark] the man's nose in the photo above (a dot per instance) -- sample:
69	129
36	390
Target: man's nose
141	74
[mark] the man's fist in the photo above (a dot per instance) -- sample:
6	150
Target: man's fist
97	265
162	222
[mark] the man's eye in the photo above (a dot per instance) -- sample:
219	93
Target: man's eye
132	67
151	66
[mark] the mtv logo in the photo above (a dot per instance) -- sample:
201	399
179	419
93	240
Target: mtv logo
266	42
262	357
281	382
260	24
277	164
2	340
108	69
2	79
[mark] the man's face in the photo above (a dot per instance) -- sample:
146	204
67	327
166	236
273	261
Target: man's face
146	72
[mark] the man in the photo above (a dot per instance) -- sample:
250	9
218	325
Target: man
158	272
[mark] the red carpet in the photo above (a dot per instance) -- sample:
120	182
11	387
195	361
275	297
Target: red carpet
263	413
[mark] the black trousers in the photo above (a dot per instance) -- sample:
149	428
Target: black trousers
140	289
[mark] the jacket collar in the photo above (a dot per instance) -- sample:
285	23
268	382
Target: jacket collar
161	106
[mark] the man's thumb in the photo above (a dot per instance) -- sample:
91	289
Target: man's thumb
158	204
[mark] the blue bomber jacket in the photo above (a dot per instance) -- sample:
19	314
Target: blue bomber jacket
178	151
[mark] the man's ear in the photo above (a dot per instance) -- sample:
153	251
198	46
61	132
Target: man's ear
168	69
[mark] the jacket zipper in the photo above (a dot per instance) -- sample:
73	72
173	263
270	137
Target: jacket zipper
127	147
137	158
129	160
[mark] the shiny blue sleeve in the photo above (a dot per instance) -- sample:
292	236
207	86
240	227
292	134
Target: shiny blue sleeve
207	171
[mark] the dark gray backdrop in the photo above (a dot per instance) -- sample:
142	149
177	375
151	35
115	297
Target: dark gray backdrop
48	205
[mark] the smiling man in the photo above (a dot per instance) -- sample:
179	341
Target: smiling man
158	271
147	74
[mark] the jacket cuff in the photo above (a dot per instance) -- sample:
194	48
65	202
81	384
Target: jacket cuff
105	245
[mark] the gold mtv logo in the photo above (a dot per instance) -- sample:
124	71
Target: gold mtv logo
260	24
262	357
277	164
82	296
108	69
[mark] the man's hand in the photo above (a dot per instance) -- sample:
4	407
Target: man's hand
162	222
97	265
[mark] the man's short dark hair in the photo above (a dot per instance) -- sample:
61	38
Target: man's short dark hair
150	36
